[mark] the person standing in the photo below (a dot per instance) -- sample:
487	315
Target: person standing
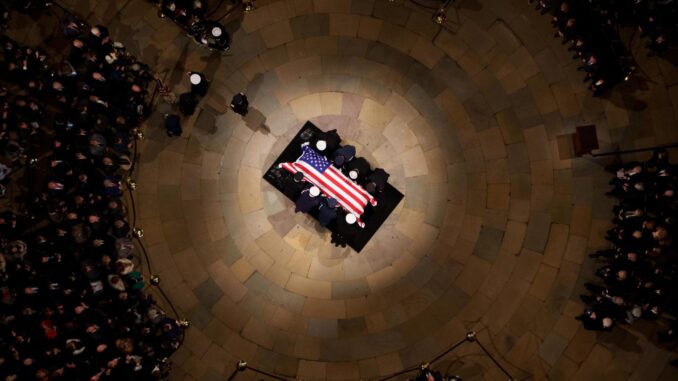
327	212
307	200
342	155
240	104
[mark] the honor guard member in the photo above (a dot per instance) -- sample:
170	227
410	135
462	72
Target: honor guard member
358	169
343	228
327	212
293	185
330	141
343	155
378	178
211	34
307	200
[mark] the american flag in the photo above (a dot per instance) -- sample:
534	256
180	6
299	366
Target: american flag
319	171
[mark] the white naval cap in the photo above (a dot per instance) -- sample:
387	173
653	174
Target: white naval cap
195	79
314	191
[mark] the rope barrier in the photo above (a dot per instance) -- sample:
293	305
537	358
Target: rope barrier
470	337
138	233
494	361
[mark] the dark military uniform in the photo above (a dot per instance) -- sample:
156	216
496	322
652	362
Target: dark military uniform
305	203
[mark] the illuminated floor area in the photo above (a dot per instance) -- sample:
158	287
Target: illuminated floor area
492	233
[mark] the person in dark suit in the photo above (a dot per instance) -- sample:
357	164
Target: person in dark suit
593	321
199	83
639	277
173	125
211	34
344	227
187	103
307	200
327	212
240	104
293	185
379	178
361	168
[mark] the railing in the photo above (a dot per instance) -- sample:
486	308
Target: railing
470	337
138	233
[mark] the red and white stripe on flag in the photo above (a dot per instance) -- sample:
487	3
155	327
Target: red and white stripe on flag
352	197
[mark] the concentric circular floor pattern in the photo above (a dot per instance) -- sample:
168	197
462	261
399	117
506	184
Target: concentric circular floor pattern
471	121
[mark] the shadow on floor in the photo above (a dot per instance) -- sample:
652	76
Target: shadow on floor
255	120
213	61
254	86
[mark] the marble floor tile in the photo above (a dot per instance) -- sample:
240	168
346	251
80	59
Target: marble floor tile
277	34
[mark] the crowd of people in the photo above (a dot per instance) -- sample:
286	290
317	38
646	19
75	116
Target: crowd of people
639	275
657	23
191	15
73	305
590	30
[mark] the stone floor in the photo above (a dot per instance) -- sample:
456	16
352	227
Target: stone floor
495	225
